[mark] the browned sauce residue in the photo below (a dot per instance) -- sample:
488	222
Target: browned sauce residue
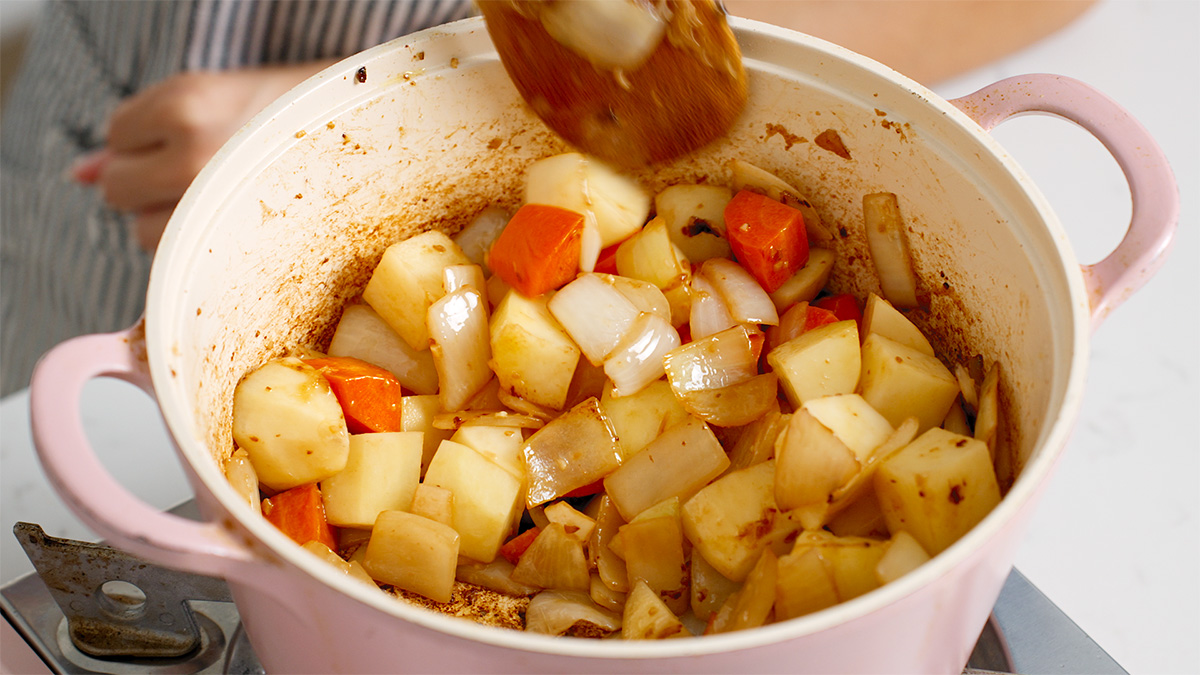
789	139
830	140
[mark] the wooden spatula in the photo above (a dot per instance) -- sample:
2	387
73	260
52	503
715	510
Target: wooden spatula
686	92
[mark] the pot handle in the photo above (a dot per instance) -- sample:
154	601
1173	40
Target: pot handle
1152	186
88	488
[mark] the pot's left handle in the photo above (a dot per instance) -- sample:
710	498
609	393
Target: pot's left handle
1152	186
88	488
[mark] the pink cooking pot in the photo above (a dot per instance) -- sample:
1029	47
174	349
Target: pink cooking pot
285	223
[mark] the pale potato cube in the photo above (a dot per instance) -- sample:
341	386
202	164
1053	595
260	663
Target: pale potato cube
729	520
286	417
485	496
639	418
502	445
433	502
381	474
937	488
413	553
678	463
532	356
820	362
654	554
616	204
853	421
860	518
650	256
408	280
647	617
363	334
811	463
881	318
695	219
803	585
851	562
902	382
904	554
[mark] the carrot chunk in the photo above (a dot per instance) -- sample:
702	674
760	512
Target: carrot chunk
539	249
767	237
300	514
369	395
514	548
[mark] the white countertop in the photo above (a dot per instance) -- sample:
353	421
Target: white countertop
1116	540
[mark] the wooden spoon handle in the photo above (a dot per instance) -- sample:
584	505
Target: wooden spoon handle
687	93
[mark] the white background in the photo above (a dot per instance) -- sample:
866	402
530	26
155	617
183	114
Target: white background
1116	539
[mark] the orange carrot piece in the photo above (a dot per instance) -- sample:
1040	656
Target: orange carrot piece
539	249
300	514
816	317
607	262
514	548
587	490
370	395
767	237
843	305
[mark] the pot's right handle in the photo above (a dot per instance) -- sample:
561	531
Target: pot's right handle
88	488
1152	187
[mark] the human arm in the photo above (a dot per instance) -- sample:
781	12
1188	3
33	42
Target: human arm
927	40
160	138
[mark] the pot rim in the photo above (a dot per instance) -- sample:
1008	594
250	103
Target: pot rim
176	411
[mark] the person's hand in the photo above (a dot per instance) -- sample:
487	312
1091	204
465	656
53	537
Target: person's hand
160	138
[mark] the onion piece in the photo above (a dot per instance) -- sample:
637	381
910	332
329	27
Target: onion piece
610	35
888	243
638	360
477	237
746	300
709	314
455	277
241	475
555	559
594	313
645	296
363	334
576	449
734	405
461	345
719	360
496	575
556	612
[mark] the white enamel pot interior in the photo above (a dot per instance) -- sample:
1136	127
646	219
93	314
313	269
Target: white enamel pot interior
286	222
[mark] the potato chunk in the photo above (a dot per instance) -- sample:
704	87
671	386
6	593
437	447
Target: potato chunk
413	553
532	356
381	474
485	497
901	382
728	521
408	280
287	418
937	488
677	464
820	362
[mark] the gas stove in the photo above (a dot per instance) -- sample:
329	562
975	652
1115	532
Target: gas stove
90	608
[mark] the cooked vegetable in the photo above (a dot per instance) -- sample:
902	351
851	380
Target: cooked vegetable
382	473
767	238
408	279
538	250
286	416
689	470
369	395
413	553
300	514
888	242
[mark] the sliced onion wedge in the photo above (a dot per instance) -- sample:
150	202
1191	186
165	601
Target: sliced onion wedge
476	238
718	360
888	242
556	612
461	346
595	314
709	313
638	360
746	300
735	405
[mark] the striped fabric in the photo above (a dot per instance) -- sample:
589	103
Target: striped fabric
68	265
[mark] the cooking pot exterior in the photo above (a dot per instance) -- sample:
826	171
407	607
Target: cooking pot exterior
286	222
